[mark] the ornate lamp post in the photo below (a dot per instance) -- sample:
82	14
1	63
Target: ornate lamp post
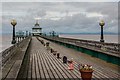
26	33
102	23
53	33
50	33
13	22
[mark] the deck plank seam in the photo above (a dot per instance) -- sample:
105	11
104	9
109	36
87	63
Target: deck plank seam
36	67
44	70
53	76
51	42
63	70
53	67
56	66
40	68
46	66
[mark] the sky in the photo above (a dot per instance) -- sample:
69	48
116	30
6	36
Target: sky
62	17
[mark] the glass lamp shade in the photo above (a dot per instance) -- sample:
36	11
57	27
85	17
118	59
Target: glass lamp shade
13	22
102	23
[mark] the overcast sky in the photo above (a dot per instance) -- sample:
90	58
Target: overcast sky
65	17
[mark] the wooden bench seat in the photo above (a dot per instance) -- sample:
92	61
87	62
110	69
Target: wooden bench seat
11	69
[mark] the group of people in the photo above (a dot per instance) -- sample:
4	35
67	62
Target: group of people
65	60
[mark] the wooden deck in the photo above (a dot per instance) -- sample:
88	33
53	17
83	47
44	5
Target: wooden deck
44	65
11	67
102	69
39	64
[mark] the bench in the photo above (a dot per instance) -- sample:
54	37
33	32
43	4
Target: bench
11	68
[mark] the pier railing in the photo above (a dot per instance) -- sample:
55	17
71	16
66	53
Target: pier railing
9	52
95	45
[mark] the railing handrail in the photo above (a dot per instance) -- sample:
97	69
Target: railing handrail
104	47
11	50
90	41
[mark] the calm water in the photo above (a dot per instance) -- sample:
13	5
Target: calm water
5	40
107	38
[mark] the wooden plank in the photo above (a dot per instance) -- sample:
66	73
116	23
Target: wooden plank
47	66
15	69
44	69
75	73
37	68
13	65
30	68
52	68
55	69
59	68
62	63
40	67
98	74
33	67
64	69
49	62
6	69
63	66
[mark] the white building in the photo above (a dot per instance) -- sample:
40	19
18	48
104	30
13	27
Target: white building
36	30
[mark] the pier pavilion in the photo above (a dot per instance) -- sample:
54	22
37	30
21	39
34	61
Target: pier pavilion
36	30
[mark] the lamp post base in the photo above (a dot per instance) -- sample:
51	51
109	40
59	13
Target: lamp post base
13	42
101	40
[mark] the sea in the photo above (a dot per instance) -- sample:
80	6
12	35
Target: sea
5	40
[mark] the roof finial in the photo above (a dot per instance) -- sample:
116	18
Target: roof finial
37	19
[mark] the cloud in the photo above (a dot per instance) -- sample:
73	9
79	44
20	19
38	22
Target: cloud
70	17
59	0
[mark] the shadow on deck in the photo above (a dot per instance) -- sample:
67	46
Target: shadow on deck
39	63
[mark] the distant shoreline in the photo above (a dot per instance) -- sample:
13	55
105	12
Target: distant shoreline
73	33
90	33
83	34
109	38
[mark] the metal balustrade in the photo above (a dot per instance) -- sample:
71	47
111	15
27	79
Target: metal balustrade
9	52
108	47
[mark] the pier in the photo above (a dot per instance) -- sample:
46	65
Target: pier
31	59
105	51
60	40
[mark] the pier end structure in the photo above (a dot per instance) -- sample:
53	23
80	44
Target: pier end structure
36	30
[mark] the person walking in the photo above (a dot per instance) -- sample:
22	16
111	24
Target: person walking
65	59
71	64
